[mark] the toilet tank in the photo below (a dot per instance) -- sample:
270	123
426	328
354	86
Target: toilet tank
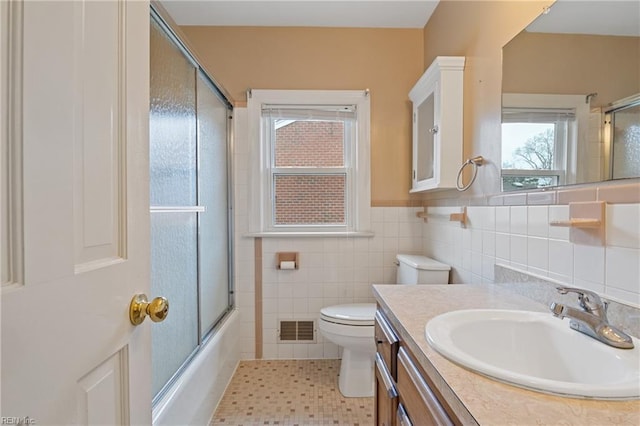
414	269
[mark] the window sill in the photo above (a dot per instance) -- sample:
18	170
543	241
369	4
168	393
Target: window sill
356	234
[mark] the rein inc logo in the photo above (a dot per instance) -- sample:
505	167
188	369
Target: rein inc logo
8	420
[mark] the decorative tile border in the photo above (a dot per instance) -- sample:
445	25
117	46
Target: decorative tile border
619	193
625	191
258	296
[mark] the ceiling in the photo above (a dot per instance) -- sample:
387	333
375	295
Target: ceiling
302	13
603	17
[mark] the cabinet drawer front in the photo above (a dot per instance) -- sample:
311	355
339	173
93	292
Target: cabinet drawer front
386	394
383	374
421	404
386	342
402	419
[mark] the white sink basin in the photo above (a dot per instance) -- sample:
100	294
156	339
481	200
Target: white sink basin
537	351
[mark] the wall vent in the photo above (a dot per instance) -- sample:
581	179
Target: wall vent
297	331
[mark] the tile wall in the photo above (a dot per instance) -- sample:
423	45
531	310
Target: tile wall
520	237
332	271
340	270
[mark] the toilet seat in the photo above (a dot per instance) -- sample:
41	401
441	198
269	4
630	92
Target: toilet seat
355	314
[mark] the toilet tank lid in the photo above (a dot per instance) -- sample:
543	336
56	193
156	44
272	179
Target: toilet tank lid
422	262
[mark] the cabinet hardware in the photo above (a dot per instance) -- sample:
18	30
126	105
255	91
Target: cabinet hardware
386	377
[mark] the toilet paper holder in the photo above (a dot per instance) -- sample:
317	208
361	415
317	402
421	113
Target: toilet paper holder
284	260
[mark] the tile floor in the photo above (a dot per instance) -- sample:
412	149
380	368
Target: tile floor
290	392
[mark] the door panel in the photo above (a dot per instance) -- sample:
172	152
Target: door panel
103	392
69	353
99	133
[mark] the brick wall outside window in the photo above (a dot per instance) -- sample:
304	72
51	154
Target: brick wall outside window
310	144
310	199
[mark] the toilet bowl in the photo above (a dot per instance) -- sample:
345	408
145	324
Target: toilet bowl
351	326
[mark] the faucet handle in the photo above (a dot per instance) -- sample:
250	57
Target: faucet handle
589	301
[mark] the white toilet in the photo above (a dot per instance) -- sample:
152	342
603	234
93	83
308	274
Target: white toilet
351	326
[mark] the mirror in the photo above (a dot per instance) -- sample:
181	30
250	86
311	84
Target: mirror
571	96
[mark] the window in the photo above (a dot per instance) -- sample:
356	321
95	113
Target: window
539	140
311	149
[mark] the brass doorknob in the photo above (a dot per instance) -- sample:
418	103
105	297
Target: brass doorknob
140	307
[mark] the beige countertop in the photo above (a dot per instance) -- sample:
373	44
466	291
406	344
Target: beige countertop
475	398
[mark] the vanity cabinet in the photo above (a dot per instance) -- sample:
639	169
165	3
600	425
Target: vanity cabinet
404	396
437	125
420	404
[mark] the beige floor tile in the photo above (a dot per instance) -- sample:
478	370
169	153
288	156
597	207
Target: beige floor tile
290	392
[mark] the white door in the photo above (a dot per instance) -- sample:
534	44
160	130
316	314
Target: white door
75	211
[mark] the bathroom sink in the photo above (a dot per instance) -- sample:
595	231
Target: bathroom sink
537	351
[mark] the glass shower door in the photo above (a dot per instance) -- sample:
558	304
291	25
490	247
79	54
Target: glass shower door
189	197
213	196
173	199
626	141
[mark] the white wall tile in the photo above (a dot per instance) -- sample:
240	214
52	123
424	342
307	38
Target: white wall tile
488	268
390	246
561	260
518	244
390	214
489	243
476	240
476	263
623	269
285	350
475	217
466	260
588	263
538	254
466	239
624	296
270	351
503	219
623	225
503	246
558	213
340	270
518	220
538	221
330	350
377	214
315	351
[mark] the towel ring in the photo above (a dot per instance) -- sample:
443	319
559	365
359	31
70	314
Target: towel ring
475	162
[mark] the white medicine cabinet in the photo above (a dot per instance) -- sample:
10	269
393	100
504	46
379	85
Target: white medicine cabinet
437	125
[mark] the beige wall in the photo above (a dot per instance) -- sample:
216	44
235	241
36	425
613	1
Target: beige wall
573	64
387	61
479	30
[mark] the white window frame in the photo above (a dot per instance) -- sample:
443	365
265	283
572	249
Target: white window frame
260	203
567	157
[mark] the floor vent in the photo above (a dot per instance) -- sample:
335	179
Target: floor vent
297	331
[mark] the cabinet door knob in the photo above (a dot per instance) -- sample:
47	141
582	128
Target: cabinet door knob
433	130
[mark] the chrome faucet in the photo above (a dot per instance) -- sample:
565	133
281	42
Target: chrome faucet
592	319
